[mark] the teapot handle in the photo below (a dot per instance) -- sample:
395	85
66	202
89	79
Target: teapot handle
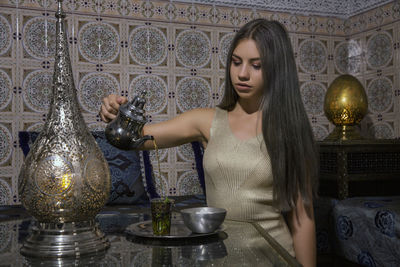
136	143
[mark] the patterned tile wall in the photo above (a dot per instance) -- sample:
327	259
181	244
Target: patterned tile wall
376	35
332	8
177	52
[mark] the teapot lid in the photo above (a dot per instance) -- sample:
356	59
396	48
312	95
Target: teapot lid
135	108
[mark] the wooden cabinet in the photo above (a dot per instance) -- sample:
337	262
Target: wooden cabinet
359	168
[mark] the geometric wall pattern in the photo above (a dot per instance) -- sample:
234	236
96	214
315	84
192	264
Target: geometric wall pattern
332	8
177	52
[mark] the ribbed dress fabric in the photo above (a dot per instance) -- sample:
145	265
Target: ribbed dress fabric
238	177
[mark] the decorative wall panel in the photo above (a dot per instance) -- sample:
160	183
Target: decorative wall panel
177	52
337	8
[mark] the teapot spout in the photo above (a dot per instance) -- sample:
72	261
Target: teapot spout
136	143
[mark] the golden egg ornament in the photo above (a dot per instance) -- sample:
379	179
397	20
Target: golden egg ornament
345	105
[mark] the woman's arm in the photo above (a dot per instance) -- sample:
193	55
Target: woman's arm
303	232
193	125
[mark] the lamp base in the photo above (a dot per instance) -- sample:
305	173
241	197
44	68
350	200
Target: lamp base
344	132
72	239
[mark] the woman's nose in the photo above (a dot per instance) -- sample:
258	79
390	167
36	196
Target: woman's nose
244	73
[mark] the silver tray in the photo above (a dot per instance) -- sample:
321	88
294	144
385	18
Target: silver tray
178	230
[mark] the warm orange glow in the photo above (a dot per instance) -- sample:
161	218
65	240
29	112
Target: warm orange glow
66	181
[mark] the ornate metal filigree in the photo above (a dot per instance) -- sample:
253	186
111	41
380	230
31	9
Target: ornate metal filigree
65	179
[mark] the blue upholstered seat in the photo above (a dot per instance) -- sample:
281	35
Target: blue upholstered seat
363	230
368	230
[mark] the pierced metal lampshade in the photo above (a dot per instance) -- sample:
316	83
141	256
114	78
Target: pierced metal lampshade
346	104
65	179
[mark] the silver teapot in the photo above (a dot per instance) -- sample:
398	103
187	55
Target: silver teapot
125	131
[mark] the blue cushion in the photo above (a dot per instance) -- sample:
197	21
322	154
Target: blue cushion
368	230
127	186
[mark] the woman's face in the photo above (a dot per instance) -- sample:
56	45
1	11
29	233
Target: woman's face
245	70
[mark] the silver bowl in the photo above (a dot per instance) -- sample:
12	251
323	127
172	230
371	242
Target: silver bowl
204	219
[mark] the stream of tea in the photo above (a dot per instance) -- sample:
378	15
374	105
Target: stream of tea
158	158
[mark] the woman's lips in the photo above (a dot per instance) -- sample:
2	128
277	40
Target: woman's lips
242	87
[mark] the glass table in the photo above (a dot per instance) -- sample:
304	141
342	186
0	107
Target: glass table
239	244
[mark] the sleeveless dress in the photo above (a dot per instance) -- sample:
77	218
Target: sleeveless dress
238	178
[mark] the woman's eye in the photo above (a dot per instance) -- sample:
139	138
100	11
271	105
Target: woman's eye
257	67
236	63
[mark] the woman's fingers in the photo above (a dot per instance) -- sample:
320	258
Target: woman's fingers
122	100
109	108
103	118
105	115
112	105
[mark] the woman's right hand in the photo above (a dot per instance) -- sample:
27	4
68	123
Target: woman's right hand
110	106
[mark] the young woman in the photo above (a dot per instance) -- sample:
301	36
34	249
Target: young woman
260	157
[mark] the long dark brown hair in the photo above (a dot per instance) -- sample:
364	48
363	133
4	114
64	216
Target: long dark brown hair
286	129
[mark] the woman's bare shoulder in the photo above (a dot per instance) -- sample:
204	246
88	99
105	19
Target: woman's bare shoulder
204	111
203	115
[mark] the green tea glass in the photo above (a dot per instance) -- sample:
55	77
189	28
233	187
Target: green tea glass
161	215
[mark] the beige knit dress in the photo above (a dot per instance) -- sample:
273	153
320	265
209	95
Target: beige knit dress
238	177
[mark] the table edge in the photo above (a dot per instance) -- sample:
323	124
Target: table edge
278	248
